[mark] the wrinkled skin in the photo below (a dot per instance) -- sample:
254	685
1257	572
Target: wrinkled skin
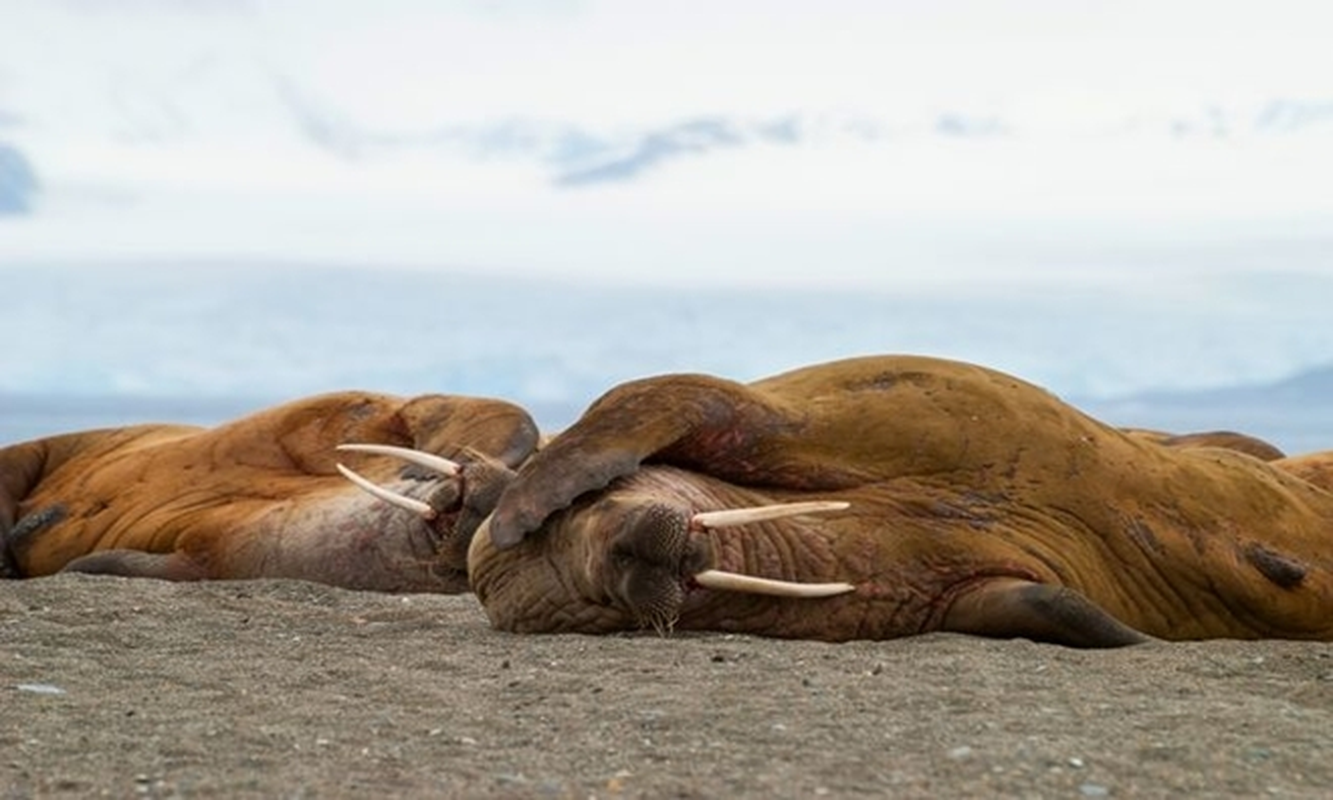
978	504
260	496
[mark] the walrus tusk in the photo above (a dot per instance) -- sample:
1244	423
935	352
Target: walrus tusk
412	504
740	516
421	458
735	582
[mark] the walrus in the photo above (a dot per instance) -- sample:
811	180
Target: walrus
267	495
895	495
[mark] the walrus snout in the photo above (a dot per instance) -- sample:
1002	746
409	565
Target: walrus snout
659	552
651	558
464	493
480	484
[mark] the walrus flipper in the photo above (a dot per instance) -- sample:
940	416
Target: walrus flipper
138	564
9	564
1012	609
21	468
691	421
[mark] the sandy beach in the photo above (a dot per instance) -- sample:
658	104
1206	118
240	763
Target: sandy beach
125	688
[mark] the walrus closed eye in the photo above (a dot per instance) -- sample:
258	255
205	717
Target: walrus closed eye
970	501
267	496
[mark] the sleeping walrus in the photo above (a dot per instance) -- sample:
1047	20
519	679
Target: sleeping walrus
928	496
265	496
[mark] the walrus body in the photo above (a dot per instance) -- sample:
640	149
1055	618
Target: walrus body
977	503
261	497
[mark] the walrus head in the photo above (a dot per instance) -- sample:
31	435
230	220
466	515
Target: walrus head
446	499
650	553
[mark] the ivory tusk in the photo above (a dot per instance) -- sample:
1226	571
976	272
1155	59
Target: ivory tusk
412	504
735	582
740	516
421	458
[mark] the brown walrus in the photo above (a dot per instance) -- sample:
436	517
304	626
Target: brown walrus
932	496
263	496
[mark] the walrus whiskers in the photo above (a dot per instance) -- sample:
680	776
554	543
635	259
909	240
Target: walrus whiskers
730	517
421	458
735	582
419	507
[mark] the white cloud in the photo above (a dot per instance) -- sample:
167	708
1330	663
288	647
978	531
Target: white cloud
189	130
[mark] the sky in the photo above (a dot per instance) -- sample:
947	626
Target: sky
836	142
1102	197
616	62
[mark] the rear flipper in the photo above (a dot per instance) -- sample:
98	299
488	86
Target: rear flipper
9	566
1010	609
138	564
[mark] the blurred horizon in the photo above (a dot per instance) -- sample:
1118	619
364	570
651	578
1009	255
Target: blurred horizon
1107	199
108	345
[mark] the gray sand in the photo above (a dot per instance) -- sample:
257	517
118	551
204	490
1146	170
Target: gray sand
130	688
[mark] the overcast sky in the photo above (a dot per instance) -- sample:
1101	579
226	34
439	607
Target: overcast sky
176	133
623	60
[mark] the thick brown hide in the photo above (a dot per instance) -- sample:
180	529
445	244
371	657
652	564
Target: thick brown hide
978	503
261	497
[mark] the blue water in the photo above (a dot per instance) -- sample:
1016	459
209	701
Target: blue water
100	346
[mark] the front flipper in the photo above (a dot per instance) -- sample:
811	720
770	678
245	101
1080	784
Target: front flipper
1012	609
138	564
686	420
